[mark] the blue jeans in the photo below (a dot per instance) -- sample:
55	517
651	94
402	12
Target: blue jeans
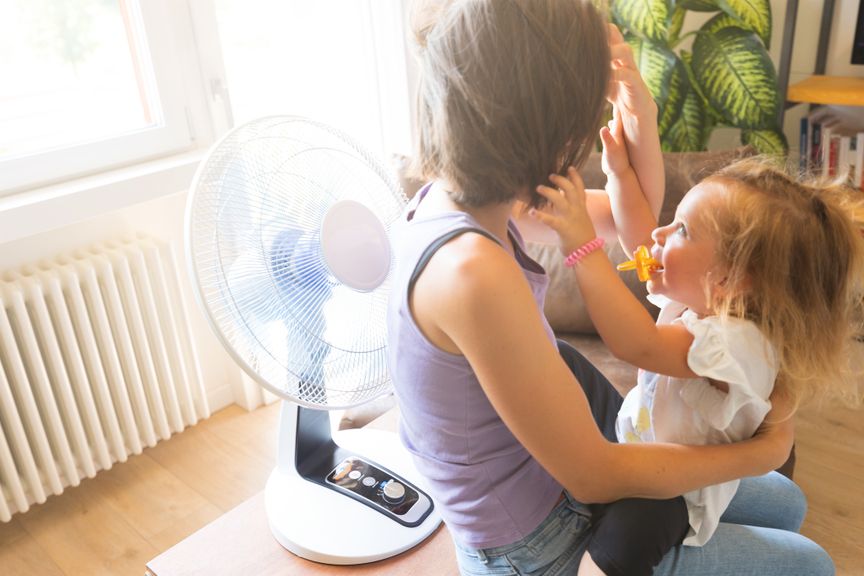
757	535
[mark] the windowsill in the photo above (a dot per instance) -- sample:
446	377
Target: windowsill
43	209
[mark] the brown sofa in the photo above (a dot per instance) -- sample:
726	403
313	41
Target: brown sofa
564	308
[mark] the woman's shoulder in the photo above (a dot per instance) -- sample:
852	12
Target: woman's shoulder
472	257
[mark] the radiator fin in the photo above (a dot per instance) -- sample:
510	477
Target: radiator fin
97	363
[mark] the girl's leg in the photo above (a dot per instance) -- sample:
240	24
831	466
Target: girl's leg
771	501
602	396
631	536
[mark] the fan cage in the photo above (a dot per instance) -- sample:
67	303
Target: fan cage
253	239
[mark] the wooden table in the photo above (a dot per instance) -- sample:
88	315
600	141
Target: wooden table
239	543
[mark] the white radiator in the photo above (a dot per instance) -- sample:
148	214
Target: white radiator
97	363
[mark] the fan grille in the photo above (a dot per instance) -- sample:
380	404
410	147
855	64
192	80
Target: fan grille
253	236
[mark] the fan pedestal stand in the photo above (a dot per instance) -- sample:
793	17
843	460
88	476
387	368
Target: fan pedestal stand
319	523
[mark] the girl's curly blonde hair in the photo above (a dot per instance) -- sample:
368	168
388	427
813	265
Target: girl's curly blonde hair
795	248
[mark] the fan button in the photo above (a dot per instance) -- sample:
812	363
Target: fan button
394	492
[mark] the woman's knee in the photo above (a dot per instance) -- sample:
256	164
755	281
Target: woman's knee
791	496
812	560
770	501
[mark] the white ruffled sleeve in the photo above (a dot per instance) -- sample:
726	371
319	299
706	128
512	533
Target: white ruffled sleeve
733	351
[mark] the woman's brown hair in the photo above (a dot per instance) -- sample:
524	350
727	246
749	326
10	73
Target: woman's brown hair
510	92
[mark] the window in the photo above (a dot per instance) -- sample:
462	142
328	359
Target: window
93	85
87	85
341	62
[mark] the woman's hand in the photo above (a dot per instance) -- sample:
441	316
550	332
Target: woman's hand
637	113
627	90
566	212
777	431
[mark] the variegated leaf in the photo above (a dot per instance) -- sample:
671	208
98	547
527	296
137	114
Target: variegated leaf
675	25
719	22
678	87
656	64
735	73
712	116
755	15
767	141
699	5
689	133
646	18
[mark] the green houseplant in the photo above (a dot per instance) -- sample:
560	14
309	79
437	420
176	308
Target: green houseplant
725	79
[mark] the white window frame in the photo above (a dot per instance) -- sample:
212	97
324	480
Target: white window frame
155	36
190	96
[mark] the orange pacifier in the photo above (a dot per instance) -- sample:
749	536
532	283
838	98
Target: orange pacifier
643	263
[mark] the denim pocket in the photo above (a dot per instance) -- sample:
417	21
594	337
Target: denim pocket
562	534
471	565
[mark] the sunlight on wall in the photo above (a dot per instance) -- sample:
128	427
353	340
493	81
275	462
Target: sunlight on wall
326	60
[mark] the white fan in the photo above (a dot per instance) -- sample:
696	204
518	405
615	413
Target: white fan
286	238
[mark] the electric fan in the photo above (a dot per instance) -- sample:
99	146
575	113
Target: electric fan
286	239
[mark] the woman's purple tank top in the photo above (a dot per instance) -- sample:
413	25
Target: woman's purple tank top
488	489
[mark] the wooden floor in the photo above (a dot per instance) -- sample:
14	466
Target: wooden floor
116	522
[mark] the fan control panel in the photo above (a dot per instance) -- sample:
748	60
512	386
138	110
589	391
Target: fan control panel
381	490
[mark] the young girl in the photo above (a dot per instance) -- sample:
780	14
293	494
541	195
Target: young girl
514	434
759	278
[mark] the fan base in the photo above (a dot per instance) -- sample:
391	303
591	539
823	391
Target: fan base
321	525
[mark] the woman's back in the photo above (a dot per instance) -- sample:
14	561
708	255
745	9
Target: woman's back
489	489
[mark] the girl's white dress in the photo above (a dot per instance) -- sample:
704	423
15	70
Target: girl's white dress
692	411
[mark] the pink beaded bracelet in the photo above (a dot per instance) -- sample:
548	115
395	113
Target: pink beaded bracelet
583	251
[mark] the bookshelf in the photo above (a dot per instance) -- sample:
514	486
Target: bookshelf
826	147
836	90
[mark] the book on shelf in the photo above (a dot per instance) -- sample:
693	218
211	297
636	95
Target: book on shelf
858	174
804	146
831	151
844	157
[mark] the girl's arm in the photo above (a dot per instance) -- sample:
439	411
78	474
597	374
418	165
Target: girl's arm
473	300
631	210
623	323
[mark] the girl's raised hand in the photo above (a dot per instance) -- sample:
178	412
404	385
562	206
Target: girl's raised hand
566	212
615	159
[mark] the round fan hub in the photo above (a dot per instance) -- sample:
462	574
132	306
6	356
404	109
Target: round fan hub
355	245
